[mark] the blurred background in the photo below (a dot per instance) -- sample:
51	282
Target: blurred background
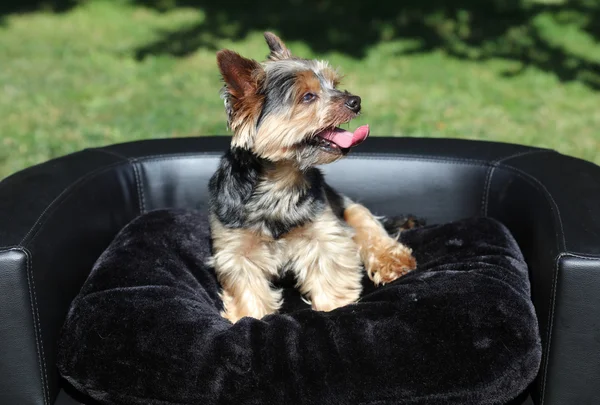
85	73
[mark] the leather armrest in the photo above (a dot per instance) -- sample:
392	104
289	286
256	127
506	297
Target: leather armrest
55	220
551	204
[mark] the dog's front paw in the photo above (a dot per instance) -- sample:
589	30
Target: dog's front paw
329	303
229	311
389	260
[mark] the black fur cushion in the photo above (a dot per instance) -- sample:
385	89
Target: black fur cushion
146	329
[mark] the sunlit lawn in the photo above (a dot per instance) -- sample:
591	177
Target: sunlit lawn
71	80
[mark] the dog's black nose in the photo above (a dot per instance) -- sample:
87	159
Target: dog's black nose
353	103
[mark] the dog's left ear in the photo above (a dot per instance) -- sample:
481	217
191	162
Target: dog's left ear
240	74
243	78
278	49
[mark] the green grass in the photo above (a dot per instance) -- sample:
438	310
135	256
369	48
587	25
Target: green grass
71	80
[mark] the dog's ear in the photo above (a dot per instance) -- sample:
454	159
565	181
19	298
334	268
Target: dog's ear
243	99
278	49
240	74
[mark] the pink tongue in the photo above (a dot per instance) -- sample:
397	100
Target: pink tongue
346	139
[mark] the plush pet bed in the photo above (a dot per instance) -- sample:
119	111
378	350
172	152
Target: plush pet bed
146	329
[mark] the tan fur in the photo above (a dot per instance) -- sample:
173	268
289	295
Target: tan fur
331	75
244	122
384	258
243	77
279	137
278	49
326	262
306	81
245	262
322	255
285	176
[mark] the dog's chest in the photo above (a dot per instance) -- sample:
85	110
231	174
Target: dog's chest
274	199
279	211
277	208
297	249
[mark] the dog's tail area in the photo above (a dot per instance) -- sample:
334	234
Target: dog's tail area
396	224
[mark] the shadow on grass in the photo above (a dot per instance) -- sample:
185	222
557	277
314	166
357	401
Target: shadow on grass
23	6
465	29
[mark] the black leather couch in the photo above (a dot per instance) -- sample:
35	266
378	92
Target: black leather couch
56	219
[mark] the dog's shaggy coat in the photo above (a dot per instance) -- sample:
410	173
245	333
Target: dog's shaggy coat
271	210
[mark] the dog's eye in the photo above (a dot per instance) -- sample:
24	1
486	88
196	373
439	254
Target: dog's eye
308	97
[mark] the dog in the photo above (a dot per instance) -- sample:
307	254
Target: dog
271	210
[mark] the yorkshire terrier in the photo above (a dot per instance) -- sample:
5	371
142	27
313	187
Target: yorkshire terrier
270	208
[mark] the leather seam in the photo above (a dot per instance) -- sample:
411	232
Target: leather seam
79	182
358	155
578	256
485	197
472	162
36	322
553	206
520	154
136	174
372	156
39	326
550	326
109	152
9	248
175	155
140	188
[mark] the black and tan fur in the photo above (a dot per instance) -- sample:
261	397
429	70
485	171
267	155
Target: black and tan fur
271	209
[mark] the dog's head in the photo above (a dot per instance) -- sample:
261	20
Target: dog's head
288	108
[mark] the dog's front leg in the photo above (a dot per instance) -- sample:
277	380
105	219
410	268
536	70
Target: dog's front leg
245	265
384	258
326	262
